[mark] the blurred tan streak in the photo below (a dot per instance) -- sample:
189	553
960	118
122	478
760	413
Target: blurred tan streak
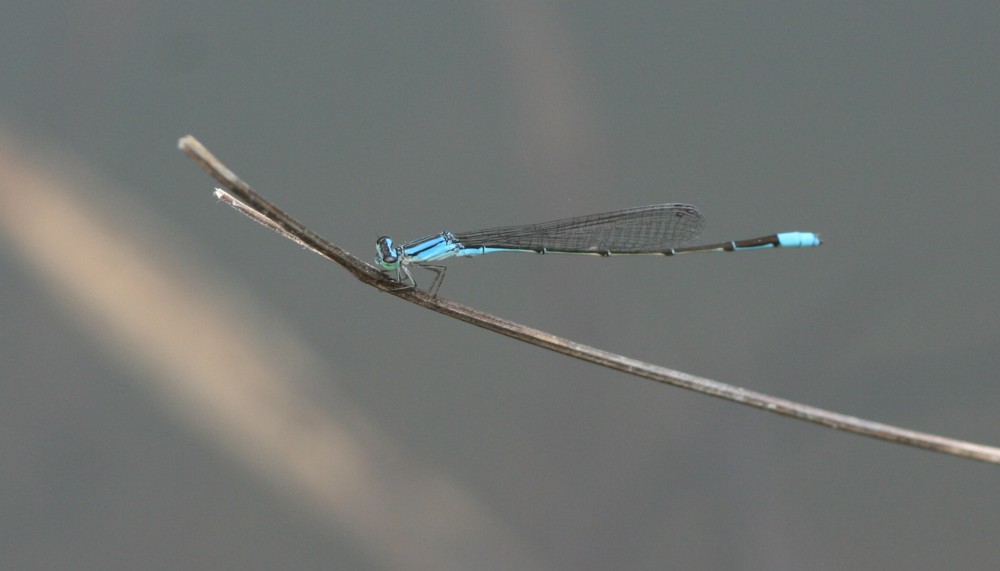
210	363
560	138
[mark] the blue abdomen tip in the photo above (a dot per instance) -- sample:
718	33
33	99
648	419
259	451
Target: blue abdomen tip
799	240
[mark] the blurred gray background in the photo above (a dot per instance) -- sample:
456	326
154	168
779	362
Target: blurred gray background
183	389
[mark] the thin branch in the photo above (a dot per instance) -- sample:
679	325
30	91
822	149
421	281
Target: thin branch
244	199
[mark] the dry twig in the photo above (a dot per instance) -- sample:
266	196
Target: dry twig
240	196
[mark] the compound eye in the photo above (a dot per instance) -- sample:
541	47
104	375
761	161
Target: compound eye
385	253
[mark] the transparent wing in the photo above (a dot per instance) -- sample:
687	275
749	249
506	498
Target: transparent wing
640	230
